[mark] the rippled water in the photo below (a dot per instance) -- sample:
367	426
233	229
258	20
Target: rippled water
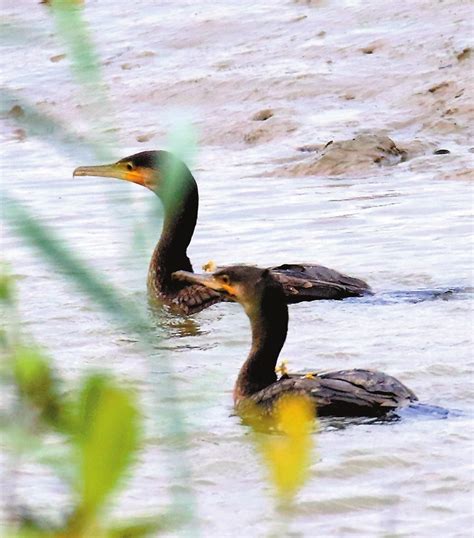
403	228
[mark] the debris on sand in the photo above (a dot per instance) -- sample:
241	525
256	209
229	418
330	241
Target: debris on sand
263	115
351	156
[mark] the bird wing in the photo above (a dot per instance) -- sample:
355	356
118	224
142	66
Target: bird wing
194	298
306	282
377	387
343	393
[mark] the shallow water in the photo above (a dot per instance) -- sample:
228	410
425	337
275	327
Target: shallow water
405	228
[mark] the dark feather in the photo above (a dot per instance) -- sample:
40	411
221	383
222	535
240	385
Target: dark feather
344	393
194	298
311	282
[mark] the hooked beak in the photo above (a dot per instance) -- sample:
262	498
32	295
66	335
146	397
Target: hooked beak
206	279
141	176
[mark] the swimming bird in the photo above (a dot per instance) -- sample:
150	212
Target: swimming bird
170	179
354	392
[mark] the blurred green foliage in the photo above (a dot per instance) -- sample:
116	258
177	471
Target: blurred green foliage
37	387
99	422
97	425
107	437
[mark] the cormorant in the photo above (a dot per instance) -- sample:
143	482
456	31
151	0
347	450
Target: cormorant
171	180
354	392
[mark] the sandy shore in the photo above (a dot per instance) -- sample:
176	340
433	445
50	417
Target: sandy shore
310	73
292	77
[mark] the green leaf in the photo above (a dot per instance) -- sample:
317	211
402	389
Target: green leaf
29	533
139	528
37	386
32	372
6	287
108	436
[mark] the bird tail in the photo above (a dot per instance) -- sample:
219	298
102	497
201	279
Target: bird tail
421	410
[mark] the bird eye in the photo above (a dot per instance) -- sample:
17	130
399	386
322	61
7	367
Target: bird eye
225	279
129	166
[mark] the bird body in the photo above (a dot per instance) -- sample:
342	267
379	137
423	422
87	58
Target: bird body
354	392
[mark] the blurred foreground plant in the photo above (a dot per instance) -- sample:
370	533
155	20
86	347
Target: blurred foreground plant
287	452
98	424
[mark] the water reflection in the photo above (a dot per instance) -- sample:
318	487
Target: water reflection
172	324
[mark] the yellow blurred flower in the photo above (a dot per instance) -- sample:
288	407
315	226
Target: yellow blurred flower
282	368
210	266
287	453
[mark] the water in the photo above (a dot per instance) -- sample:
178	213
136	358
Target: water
402	228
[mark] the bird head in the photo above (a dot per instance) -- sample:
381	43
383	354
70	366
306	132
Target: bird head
241	283
147	168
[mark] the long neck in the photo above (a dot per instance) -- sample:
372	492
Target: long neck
269	322
180	202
